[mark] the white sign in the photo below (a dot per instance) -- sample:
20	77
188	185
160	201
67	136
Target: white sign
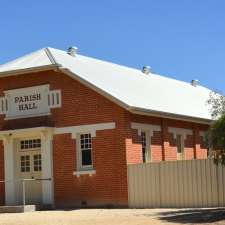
27	102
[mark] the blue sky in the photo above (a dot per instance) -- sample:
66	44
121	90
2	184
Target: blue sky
183	39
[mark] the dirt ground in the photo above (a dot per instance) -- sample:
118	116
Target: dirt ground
116	217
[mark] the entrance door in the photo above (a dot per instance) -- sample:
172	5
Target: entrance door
30	167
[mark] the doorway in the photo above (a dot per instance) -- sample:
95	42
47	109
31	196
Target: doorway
29	171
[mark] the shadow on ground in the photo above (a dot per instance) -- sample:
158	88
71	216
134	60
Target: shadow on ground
194	216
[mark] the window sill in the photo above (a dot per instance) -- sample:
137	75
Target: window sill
84	172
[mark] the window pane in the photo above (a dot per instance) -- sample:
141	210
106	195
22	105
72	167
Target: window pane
85	147
37	162
30	144
86	158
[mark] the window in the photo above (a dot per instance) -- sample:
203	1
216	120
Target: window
30	144
54	99
85	151
144	146
180	146
37	162
25	163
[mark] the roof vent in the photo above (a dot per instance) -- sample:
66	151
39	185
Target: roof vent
146	69
194	83
72	51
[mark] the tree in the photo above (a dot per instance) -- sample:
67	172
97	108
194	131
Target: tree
216	103
216	133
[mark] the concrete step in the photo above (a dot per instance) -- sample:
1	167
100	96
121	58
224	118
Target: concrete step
24	208
18	208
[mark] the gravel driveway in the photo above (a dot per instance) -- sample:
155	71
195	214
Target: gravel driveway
115	217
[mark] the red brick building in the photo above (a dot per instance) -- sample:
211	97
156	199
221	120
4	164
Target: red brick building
70	124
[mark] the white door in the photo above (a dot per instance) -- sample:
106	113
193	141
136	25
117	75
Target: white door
30	167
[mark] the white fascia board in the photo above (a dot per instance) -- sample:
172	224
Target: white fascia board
167	115
29	70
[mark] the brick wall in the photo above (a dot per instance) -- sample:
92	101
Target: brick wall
80	106
105	188
112	149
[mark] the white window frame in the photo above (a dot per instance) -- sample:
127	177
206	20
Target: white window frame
149	129
184	133
81	167
148	152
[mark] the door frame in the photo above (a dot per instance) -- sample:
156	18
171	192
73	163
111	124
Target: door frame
9	137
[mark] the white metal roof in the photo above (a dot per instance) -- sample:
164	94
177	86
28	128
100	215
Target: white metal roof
130	87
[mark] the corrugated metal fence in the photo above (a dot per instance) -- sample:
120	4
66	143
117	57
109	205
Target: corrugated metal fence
190	183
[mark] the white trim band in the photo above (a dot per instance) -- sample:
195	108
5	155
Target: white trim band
74	130
145	127
180	131
84	172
